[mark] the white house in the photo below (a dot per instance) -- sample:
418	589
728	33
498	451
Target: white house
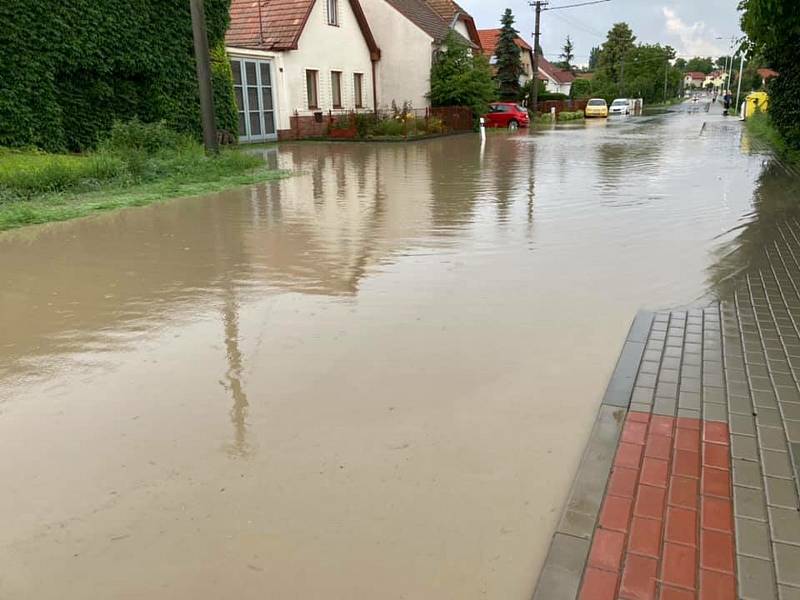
410	32
694	79
295	59
556	81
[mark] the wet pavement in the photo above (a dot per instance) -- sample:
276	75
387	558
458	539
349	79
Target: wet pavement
373	379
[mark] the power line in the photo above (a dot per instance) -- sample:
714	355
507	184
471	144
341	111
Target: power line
580	25
576	5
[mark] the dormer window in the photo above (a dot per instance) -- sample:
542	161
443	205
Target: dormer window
333	12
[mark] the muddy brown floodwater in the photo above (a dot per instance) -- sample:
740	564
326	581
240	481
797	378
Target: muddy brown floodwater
371	380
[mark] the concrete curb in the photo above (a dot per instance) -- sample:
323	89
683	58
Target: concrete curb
563	568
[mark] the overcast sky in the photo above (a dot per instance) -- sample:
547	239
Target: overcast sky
689	26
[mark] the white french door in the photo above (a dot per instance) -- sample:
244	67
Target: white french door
254	88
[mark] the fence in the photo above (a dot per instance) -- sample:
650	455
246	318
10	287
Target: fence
455	118
342	124
562	105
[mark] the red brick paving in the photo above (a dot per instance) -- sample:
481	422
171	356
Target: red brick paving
666	525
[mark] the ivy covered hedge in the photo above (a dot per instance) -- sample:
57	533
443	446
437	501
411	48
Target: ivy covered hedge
68	70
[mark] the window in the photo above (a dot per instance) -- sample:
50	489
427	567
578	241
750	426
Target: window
336	88
358	87
333	13
312	88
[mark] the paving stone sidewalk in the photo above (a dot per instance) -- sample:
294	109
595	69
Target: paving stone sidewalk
689	484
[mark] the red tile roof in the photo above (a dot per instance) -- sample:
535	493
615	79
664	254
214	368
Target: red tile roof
696	75
449	10
489	39
278	24
267	24
561	76
766	73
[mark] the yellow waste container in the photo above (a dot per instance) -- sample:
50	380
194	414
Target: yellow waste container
757	101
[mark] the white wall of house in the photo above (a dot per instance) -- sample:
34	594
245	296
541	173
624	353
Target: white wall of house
527	67
324	48
406	55
461	27
554	87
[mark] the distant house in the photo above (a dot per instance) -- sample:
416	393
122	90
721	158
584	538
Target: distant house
716	79
411	32
489	39
294	58
766	74
556	81
694	79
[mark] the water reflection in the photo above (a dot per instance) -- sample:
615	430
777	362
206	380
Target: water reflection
774	218
233	382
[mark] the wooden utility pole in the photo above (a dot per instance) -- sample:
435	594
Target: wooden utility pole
539	6
203	62
536	33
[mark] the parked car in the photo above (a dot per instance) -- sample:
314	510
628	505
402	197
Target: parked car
507	114
596	107
620	106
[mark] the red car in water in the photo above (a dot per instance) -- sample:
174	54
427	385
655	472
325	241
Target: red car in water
507	114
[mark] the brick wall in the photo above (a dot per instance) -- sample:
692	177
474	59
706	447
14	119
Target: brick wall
305	126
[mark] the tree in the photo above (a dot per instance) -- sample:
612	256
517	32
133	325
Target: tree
581	88
646	68
680	63
722	62
594	57
703	65
509	58
567	56
619	42
773	30
460	77
635	70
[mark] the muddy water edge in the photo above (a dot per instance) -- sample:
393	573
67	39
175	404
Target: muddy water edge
371	380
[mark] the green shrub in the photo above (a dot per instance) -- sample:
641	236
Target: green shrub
434	125
570	116
135	136
341	122
389	127
364	123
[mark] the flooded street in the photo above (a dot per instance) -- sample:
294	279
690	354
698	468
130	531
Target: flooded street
373	379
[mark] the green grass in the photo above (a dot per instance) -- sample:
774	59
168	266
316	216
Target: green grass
668	103
570	116
137	165
761	128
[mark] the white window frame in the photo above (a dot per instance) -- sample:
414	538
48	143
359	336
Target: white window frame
333	12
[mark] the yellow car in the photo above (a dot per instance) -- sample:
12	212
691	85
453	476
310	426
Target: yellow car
596	107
